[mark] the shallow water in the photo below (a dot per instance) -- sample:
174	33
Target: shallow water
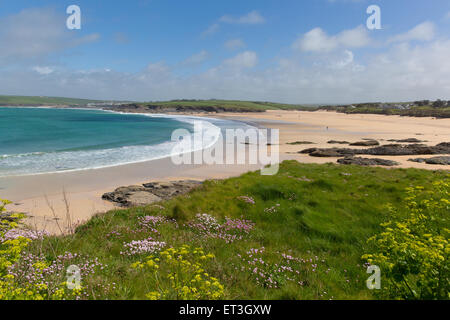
42	140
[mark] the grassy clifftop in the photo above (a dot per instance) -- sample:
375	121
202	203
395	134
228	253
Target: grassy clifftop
174	105
207	106
39	101
215	105
297	235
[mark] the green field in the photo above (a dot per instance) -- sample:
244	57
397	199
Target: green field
6	100
315	219
216	105
228	104
36	101
207	106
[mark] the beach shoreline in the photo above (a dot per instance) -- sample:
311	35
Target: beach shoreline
42	196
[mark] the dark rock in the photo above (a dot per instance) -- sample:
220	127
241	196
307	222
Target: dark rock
385	150
367	161
300	142
366	143
329	152
434	160
149	192
337	142
309	150
325	153
412	149
445	145
409	140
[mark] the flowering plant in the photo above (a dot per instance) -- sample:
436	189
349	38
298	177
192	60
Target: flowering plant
231	230
273	270
142	246
179	273
413	251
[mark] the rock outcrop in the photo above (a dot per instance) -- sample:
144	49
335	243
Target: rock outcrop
365	143
149	192
337	142
367	161
300	142
409	140
412	149
444	160
386	150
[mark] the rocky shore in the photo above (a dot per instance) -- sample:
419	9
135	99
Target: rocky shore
385	150
444	160
347	155
367	161
149	193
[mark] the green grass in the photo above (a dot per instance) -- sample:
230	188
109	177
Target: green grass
29	100
228	104
211	105
328	211
216	105
182	105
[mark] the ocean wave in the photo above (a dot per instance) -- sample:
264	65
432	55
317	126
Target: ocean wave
52	162
20	155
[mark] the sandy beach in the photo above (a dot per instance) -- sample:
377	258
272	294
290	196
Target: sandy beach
42	196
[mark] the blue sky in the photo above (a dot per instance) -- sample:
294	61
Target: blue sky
316	51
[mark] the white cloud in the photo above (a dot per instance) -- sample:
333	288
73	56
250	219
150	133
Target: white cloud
400	72
196	59
157	68
211	30
43	70
316	40
346	60
422	32
234	44
36	33
246	59
253	17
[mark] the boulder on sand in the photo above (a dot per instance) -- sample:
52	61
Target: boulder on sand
366	143
444	160
367	161
325	153
337	142
385	150
409	140
149	192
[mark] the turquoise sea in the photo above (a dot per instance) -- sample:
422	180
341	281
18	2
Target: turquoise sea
41	140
